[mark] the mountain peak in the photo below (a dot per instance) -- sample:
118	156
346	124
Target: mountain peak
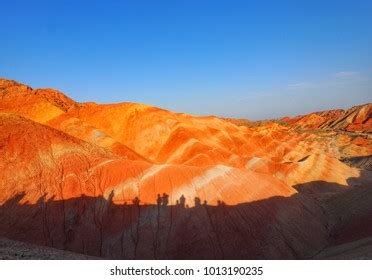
10	89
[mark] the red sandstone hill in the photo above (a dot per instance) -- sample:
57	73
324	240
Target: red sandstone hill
85	177
357	118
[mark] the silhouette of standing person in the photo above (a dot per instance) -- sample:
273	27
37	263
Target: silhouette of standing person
165	199
136	201
182	200
158	200
197	201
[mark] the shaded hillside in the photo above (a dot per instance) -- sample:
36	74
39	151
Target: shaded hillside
276	228
16	250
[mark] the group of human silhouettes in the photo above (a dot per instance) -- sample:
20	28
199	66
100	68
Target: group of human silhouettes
181	202
163	201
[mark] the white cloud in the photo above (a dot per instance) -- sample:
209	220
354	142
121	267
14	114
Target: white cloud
339	79
345	74
303	85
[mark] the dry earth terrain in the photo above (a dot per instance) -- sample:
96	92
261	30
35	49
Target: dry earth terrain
131	181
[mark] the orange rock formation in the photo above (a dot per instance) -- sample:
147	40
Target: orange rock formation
85	177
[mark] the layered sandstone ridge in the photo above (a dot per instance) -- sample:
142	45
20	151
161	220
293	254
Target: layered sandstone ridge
357	118
86	177
67	193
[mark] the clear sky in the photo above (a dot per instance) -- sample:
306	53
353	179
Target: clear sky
253	59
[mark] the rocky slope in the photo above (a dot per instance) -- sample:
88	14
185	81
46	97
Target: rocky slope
357	118
86	177
16	250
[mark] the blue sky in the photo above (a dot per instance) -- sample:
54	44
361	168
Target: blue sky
253	59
